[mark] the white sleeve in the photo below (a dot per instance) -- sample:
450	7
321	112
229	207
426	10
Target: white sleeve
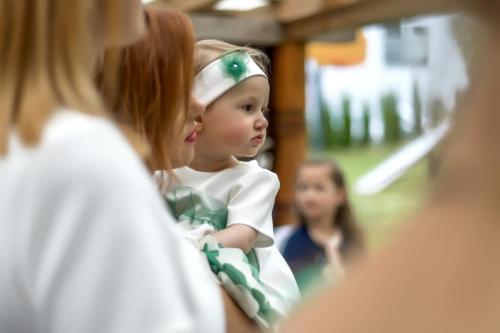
251	203
104	255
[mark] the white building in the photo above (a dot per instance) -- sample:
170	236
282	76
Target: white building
421	50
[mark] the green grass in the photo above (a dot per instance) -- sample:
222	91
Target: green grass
382	213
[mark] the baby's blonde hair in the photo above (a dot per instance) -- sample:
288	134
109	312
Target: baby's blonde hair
209	50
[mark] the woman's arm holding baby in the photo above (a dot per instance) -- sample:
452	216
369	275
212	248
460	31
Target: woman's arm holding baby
236	320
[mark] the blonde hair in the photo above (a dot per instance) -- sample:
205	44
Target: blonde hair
47	50
209	50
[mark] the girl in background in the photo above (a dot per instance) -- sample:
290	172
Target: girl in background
328	236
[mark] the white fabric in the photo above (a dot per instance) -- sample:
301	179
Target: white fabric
247	189
86	244
249	192
282	234
211	82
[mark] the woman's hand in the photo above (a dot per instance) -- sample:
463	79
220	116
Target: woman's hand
236	320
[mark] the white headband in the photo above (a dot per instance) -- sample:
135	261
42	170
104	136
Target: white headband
223	74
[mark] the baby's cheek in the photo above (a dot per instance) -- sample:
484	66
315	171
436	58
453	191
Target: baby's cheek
235	134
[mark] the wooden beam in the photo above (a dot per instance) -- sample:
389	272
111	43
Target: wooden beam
304	20
366	12
292	10
261	31
253	30
288	122
189	5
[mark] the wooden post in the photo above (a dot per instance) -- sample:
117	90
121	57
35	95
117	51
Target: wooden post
288	121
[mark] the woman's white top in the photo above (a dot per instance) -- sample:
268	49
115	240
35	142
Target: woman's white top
249	192
86	243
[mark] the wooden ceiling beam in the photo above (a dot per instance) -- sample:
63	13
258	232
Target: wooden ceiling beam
329	20
190	5
291	10
366	12
254	30
238	29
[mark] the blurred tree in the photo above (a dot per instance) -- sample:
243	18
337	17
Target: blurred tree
314	123
390	116
327	132
345	139
365	139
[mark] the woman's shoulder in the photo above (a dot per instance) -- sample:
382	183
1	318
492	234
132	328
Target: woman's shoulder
70	128
86	149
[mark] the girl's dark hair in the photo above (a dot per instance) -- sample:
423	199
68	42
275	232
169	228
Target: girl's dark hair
353	241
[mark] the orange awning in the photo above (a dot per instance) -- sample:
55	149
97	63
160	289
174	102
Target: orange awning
340	54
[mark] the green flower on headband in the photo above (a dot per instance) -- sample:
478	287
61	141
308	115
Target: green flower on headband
234	65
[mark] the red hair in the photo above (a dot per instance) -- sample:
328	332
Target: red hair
147	86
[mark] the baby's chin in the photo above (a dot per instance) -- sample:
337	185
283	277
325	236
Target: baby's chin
248	154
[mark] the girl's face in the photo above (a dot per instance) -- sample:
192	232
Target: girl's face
235	123
316	195
188	127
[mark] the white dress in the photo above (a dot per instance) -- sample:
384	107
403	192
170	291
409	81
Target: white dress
248	191
86	244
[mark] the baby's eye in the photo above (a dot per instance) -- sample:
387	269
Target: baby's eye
265	111
248	108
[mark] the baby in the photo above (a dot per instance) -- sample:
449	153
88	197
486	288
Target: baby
228	199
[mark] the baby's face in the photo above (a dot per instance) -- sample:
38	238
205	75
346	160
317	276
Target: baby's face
235	123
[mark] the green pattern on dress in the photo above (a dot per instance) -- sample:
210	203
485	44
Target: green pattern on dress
197	207
266	315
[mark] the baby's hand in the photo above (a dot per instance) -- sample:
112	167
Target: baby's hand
237	236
